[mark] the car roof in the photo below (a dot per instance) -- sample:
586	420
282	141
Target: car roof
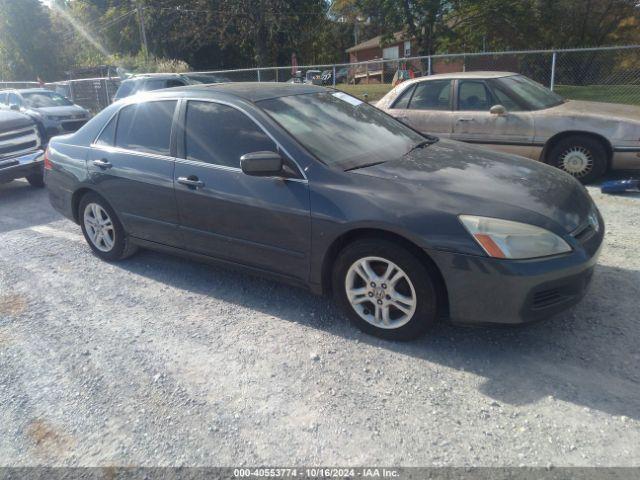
473	75
33	90
253	91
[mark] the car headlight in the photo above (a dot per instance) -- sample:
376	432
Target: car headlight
513	240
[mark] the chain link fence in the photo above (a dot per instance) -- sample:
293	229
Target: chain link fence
607	74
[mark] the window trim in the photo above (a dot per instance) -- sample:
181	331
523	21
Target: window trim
116	149
181	133
404	92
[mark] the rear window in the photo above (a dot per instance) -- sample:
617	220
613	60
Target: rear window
146	127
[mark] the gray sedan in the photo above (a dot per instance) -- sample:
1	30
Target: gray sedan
512	113
314	187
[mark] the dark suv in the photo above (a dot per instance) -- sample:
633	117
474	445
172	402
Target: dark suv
20	149
148	82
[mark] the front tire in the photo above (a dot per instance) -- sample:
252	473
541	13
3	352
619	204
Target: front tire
583	157
385	290
102	229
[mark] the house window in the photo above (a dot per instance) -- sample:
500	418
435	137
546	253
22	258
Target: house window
391	53
407	48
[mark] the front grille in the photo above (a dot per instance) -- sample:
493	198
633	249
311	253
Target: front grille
73	126
17	142
547	298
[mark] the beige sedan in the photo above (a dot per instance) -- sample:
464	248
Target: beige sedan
511	113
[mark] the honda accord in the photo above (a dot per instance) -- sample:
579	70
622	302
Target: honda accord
314	187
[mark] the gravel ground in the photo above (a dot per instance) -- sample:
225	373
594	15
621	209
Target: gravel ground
163	361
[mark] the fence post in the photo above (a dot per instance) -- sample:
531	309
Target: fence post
277	70
429	65
553	71
259	75
72	92
366	71
334	76
106	90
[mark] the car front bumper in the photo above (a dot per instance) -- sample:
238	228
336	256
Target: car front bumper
21	166
488	290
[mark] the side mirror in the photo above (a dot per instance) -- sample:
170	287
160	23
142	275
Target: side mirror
498	110
15	107
262	164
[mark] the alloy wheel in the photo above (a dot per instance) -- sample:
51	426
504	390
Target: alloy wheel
380	292
99	227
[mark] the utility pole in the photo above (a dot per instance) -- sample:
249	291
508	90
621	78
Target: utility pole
143	31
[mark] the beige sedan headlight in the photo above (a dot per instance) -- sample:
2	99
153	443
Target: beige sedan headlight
506	239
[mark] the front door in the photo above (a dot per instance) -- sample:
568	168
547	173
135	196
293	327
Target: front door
426	107
260	222
510	132
132	167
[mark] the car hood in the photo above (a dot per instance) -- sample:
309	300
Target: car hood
458	178
10	120
610	111
67	110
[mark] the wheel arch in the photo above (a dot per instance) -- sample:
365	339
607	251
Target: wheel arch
76	198
372	233
558	137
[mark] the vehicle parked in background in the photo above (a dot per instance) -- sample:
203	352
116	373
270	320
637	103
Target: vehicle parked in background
150	81
21	153
54	113
511	113
315	187
342	76
205	78
310	77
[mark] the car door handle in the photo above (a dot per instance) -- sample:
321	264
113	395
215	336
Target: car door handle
465	120
102	163
191	181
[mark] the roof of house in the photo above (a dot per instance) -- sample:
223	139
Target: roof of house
376	42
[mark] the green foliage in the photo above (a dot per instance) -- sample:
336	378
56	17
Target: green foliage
215	34
27	42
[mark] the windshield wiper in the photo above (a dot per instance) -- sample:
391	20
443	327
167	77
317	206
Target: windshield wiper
422	144
364	165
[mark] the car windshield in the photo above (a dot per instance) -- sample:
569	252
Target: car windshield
126	88
341	130
45	99
534	94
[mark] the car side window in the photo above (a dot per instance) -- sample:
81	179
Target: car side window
432	95
174	83
473	96
3	99
403	101
14	99
146	127
108	135
220	134
505	100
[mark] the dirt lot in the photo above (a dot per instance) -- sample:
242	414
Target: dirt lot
162	361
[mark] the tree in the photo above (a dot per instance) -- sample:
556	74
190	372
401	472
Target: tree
27	42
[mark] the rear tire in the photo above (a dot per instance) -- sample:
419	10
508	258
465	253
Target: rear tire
102	229
583	157
385	290
36	180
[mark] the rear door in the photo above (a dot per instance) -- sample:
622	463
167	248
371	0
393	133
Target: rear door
132	166
260	222
427	107
511	132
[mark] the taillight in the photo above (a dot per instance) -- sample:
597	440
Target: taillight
47	162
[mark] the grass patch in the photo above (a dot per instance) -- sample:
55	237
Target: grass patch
628	94
375	91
